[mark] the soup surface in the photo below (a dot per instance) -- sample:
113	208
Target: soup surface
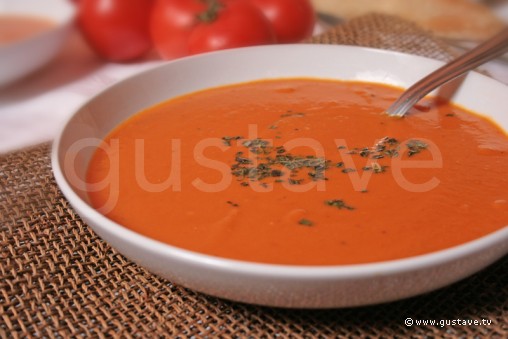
15	28
303	171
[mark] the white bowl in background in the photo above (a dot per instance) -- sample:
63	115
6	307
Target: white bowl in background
23	57
267	284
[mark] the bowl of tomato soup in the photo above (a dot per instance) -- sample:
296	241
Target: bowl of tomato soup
31	34
271	175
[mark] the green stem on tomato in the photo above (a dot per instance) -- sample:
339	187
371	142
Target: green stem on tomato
211	12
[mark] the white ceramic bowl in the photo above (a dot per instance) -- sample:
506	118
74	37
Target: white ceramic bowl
21	58
274	285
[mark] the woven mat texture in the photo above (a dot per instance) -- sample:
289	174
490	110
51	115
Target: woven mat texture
59	280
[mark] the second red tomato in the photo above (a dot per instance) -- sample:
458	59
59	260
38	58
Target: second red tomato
183	27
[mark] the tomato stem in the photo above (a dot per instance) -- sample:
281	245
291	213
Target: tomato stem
212	11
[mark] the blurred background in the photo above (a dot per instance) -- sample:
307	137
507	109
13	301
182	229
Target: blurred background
56	54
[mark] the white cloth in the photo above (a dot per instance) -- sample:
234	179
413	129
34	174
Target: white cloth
34	109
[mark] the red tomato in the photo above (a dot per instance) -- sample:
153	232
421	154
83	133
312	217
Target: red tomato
183	27
171	25
292	20
118	30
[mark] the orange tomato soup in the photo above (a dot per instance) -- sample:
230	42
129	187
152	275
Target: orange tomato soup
15	28
303	172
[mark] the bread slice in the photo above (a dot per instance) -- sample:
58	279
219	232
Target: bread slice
450	19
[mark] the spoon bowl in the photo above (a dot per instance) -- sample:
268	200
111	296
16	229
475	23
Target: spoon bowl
484	52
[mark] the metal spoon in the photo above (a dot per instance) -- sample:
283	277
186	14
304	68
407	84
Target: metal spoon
488	50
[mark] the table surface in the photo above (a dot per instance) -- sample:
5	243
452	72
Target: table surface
35	109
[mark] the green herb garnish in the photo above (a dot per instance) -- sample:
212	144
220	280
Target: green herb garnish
340	204
292	114
415	147
227	139
305	222
378	168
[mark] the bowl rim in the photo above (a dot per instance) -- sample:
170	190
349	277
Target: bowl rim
332	272
69	11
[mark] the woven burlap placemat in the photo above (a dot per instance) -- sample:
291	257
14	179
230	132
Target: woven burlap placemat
59	280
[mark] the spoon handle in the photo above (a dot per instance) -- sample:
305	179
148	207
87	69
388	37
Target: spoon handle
488	50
